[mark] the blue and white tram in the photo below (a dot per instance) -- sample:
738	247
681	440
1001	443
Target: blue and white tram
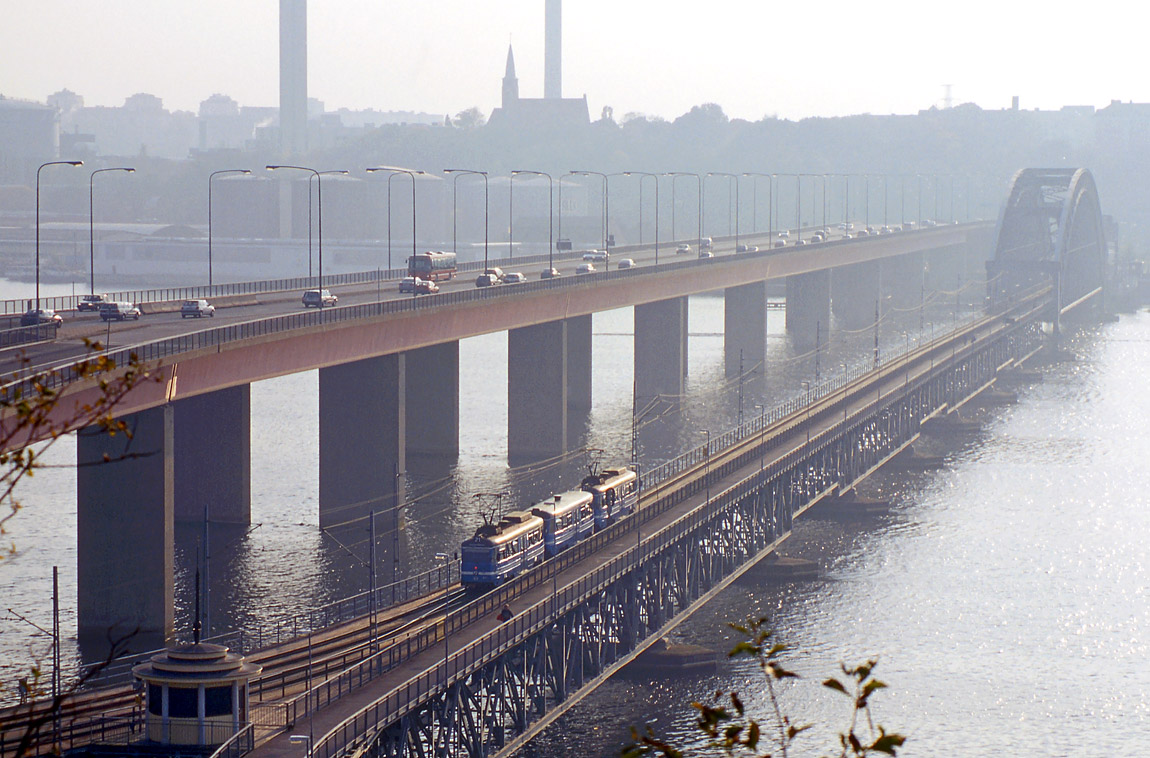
615	493
568	518
501	551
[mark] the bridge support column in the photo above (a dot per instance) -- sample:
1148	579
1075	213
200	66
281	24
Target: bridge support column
579	374
537	392
125	493
213	445
433	389
904	280
745	326
808	307
854	291
660	349
362	425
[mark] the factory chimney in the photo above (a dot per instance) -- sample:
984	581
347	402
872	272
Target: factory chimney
293	76
553	51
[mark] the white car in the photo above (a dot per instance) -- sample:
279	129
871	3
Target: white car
585	268
784	234
596	256
684	248
197	308
625	263
409	283
704	254
514	278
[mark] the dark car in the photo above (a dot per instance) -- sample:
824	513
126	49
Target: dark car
319	299
38	316
91	302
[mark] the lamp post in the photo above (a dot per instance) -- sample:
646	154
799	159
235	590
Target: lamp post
559	182
458	172
411	174
807	388
643	175
699	183
42	167
755	176
92	224
762	436
550	211
319	205
211	176
707	467
732	179
606	207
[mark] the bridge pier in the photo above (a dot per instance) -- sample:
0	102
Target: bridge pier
854	291
808	307
213	446
433	391
660	349
362	430
548	386
125	493
745	327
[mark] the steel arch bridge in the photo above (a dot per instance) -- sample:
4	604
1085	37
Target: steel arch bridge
1050	229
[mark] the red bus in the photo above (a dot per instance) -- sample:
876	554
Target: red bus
432	266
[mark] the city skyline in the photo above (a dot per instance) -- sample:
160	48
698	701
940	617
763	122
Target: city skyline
444	57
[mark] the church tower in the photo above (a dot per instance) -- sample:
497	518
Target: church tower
510	83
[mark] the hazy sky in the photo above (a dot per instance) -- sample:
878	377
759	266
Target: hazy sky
754	58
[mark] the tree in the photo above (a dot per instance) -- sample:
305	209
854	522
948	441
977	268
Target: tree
472	118
729	728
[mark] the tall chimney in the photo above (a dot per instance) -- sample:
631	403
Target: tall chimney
293	76
553	51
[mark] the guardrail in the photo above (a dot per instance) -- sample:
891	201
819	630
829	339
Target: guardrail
27	335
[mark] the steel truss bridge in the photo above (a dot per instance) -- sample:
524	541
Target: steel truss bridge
686	544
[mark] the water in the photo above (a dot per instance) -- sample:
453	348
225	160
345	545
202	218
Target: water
1006	595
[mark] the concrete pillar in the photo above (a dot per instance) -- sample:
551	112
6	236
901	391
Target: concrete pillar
854	292
902	280
660	349
213	444
537	392
125	507
362	424
808	307
579	375
745	326
433	394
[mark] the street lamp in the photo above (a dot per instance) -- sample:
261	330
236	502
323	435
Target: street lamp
92	225
755	176
707	468
643	175
211	176
42	167
807	387
301	739
550	211
762	436
732	179
410	173
606	206
319	205
699	184
458	172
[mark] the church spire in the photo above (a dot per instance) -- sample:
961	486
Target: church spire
510	83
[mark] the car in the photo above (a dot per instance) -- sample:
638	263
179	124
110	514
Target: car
91	302
425	287
800	242
625	263
119	312
684	248
862	233
740	248
409	283
550	273
585	268
704	254
319	299
514	278
197	308
780	243
487	280
784	234
596	256
496	272
38	316
818	237
752	248
848	236
706	243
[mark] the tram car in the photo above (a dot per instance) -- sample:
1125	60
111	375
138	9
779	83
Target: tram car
615	493
501	551
568	518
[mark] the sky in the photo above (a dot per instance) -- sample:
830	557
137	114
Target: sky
791	59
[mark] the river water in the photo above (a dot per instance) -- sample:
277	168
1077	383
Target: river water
1004	593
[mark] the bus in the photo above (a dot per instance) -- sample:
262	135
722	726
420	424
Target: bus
432	266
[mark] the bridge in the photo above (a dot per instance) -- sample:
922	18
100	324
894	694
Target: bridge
705	515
